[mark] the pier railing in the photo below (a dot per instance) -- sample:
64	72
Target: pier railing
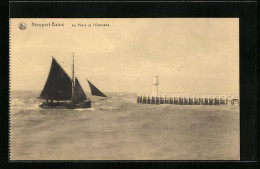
187	99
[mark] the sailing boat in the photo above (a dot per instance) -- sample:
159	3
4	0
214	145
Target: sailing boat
62	92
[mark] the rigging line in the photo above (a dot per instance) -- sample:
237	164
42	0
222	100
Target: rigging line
92	84
81	74
78	71
68	66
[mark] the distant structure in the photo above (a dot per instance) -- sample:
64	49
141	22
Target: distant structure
155	86
183	99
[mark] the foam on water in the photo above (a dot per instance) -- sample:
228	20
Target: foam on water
87	109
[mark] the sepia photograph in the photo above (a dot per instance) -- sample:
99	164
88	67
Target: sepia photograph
124	89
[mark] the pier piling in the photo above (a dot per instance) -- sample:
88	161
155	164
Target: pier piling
187	99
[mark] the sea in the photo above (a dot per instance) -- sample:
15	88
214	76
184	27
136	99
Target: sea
118	128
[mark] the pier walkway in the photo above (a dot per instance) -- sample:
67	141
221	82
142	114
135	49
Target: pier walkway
187	99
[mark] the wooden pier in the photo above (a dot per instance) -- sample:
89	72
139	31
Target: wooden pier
187	99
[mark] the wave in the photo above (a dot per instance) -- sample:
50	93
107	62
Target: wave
17	103
126	100
88	109
35	107
106	108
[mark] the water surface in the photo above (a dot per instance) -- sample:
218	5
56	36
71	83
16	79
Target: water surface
120	129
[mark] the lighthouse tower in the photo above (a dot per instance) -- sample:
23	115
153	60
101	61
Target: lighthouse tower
155	85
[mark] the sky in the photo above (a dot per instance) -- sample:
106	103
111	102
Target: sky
190	55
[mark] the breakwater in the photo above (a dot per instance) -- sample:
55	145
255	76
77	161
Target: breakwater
186	99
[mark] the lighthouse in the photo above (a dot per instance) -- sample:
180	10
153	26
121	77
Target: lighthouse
155	85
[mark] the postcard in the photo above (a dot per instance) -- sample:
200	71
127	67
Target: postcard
124	89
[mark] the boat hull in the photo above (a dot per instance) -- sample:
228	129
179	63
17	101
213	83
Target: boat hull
63	105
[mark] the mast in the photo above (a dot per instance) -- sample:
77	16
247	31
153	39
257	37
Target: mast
73	84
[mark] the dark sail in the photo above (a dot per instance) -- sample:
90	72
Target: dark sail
79	94
95	91
58	85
